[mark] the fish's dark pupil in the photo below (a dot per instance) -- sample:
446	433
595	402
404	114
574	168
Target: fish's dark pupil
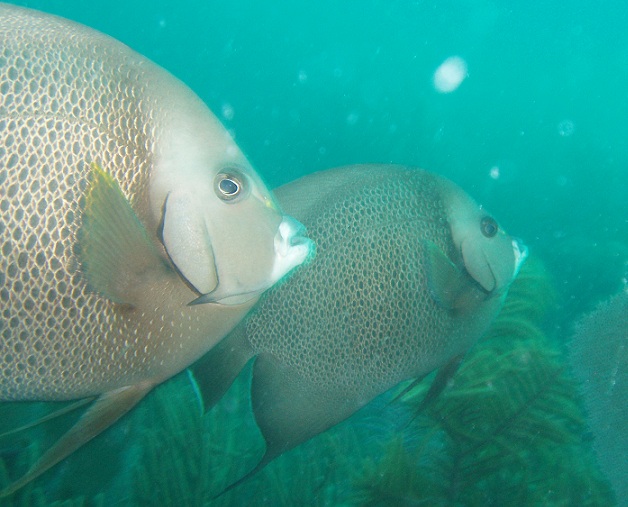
489	227
228	187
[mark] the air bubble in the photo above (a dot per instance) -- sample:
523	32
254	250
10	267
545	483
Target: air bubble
450	74
227	111
566	128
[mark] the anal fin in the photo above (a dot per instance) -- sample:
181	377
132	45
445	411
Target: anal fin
106	410
53	415
289	409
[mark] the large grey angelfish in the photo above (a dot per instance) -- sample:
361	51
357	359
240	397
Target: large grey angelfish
408	274
122	200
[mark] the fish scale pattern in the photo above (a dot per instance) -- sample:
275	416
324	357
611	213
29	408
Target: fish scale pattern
61	109
374	325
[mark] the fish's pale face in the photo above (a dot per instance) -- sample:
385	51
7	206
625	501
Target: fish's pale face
220	225
489	254
228	238
256	245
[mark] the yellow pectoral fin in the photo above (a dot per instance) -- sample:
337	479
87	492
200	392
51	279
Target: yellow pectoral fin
114	247
103	413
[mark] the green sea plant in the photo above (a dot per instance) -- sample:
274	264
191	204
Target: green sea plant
185	458
508	430
173	454
182	456
35	496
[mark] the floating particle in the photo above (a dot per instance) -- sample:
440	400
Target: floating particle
227	111
353	118
450	74
566	128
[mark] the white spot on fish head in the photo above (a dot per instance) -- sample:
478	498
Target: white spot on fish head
232	150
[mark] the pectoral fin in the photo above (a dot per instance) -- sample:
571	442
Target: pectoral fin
115	250
106	410
188	244
450	287
477	265
445	280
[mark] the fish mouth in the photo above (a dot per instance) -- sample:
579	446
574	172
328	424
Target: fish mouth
292	247
520	251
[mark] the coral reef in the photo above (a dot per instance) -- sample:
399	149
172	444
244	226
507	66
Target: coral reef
599	358
181	459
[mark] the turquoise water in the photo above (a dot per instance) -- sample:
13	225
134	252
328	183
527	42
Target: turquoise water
536	132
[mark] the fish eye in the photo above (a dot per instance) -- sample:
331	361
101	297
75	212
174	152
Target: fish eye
228	186
489	227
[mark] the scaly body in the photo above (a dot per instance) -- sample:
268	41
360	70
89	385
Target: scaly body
122	199
409	272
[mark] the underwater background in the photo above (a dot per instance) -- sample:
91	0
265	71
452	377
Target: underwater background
537	131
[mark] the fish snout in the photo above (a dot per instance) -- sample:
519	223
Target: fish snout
520	251
292	246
